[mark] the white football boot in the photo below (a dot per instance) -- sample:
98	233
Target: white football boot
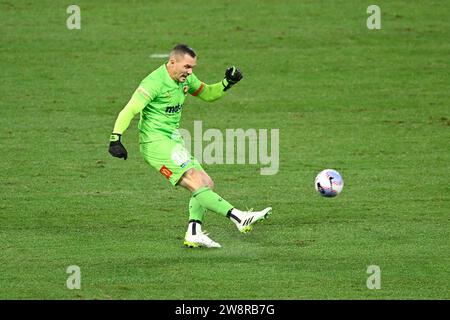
195	237
245	219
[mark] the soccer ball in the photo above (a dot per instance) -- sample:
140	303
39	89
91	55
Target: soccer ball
329	183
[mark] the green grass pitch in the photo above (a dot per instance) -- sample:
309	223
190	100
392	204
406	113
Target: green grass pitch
372	104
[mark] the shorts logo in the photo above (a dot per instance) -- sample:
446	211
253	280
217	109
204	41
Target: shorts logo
165	171
180	156
185	164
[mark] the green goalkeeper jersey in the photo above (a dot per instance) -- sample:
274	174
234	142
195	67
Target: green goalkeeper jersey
164	98
159	99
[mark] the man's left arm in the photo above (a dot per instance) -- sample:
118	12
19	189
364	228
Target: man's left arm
212	92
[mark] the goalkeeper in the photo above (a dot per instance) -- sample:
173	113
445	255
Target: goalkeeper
159	100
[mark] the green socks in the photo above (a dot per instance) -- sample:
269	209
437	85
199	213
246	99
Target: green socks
196	211
210	200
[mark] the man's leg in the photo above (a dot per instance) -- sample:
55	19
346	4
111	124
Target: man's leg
196	211
194	235
198	182
172	160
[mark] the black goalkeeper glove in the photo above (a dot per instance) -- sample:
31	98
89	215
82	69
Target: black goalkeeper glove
232	76
116	149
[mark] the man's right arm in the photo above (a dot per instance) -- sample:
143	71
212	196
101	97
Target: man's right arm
137	103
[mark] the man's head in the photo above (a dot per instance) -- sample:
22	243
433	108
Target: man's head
182	60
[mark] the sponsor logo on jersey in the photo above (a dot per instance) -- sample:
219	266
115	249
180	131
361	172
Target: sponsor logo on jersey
185	90
165	171
174	109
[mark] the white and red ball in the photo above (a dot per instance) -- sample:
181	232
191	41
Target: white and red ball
329	183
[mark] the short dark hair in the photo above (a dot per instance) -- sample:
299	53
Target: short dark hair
183	49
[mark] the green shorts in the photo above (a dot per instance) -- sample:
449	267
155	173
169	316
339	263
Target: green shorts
169	157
